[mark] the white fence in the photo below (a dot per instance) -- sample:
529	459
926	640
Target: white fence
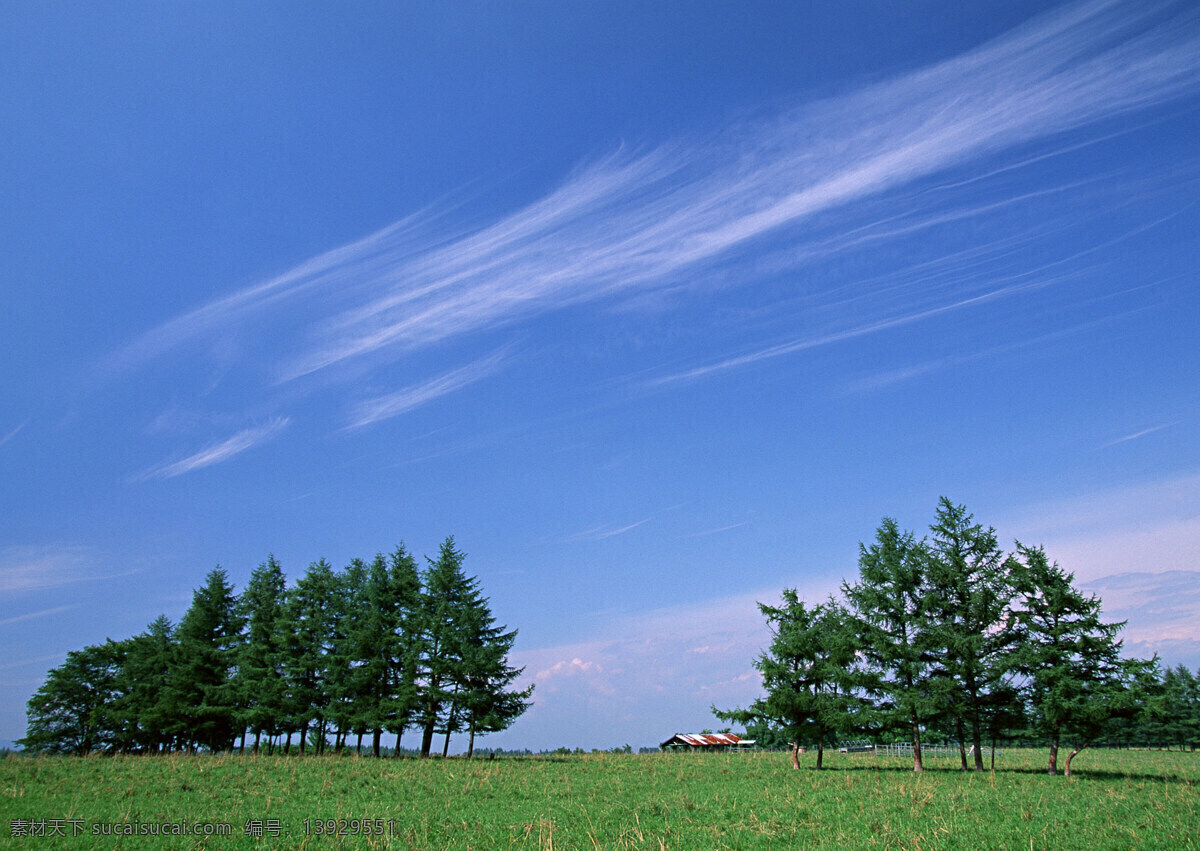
905	749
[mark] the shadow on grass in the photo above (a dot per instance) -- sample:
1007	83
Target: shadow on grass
1077	773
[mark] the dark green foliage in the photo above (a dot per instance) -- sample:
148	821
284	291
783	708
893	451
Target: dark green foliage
971	634
1066	652
890	609
143	704
461	667
307	626
201	695
353	652
261	687
808	674
71	713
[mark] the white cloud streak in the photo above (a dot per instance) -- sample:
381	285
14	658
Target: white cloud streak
635	222
418	395
39	614
36	568
218	452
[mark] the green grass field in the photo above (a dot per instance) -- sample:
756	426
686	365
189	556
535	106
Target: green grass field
1117	799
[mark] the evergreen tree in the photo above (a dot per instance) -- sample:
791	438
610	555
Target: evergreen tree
808	674
349	691
200	691
890	611
260	677
70	713
488	704
142	705
395	594
1063	643
447	596
307	629
971	631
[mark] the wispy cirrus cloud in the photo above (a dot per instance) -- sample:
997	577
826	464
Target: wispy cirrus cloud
218	452
43	613
5	438
1137	435
36	568
417	395
637	221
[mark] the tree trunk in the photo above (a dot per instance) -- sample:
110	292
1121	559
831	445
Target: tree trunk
303	737
427	738
916	736
962	747
796	755
977	742
1071	756
375	737
446	744
358	744
257	739
820	748
400	733
1052	768
471	745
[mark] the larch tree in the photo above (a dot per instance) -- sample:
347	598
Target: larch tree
890	613
808	675
260	676
201	689
969	590
1065	647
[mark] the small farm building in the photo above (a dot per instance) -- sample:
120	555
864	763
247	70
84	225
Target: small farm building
706	742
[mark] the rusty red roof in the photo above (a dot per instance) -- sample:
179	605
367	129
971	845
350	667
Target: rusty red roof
704	739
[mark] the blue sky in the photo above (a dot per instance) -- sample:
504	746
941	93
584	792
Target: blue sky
658	308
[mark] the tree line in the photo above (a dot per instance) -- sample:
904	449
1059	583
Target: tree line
951	637
375	647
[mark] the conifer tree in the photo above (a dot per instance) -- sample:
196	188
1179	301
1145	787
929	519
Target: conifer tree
260	677
891	616
971	630
143	685
808	674
201	692
1063	642
307	628
70	713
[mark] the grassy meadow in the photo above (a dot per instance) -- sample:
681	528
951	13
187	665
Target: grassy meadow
1116	799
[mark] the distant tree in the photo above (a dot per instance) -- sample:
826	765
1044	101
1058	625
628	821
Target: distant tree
200	690
890	612
262	695
447	595
142	685
397	595
808	674
1175	721
462	676
70	713
971	631
1110	689
1065	650
307	627
489	704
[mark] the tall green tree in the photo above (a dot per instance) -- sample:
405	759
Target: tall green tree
262	694
307	628
448	595
395	593
808	675
969	589
201	690
143	682
70	713
1064	645
488	701
890	612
